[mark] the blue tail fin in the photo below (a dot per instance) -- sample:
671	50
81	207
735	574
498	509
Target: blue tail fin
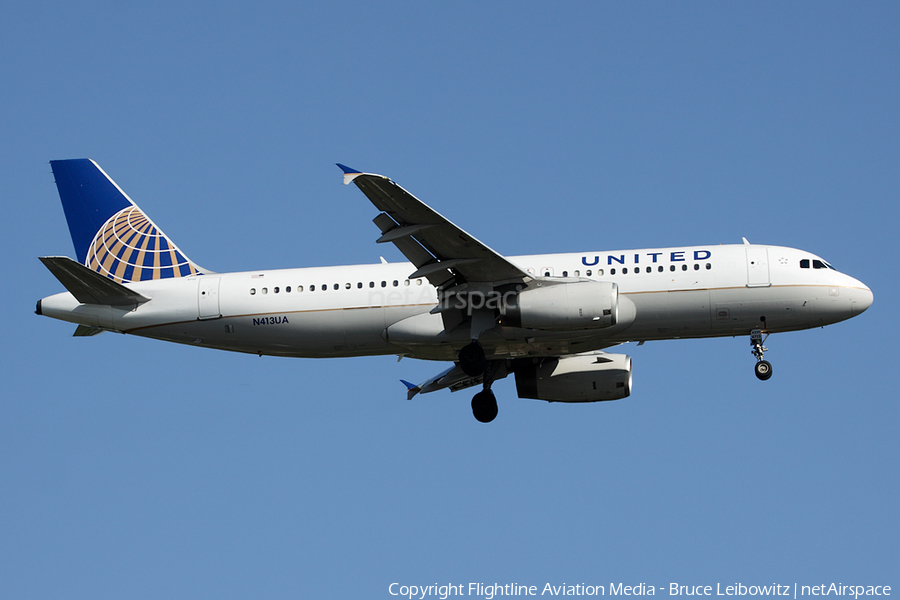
111	234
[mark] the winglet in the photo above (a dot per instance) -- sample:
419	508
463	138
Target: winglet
349	174
411	389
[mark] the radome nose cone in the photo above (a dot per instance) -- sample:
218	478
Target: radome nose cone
861	300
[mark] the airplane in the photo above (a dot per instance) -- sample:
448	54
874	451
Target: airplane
545	319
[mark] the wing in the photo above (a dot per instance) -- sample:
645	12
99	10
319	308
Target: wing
442	252
453	378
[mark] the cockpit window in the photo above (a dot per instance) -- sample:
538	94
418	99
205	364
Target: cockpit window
816	264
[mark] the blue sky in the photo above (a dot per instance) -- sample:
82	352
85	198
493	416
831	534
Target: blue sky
135	469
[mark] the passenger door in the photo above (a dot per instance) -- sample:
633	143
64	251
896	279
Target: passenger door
208	298
758	267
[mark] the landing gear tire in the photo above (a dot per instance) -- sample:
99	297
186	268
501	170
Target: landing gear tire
763	370
472	360
484	406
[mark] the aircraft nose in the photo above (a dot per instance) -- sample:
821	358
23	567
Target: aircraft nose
860	299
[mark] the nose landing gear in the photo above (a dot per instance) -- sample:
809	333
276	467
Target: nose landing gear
763	368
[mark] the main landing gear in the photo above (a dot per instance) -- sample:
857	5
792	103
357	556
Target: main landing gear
763	368
474	363
484	406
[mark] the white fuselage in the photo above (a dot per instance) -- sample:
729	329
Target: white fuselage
666	293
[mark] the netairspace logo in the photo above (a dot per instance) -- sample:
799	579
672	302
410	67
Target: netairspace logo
490	591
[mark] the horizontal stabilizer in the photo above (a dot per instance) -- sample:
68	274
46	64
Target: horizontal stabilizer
90	287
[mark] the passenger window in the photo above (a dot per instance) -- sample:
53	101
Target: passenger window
384	284
671	267
324	287
371	284
577	273
612	271
696	266
252	291
359	285
804	264
396	283
276	290
299	288
418	282
265	290
588	272
660	269
624	270
348	286
649	269
708	266
684	267
565	273
312	288
600	272
406	282
287	290
337	286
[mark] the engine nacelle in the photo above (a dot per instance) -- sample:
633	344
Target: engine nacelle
584	378
572	306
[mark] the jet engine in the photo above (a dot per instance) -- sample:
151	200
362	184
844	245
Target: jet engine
571	306
579	378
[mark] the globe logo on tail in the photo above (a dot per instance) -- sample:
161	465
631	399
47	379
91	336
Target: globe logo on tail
129	247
